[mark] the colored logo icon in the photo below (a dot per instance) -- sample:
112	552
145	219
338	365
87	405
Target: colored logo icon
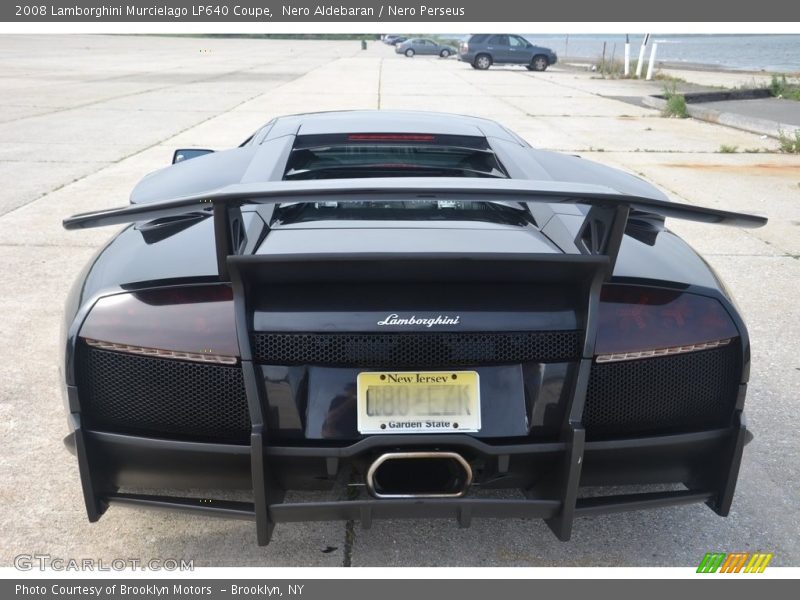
734	562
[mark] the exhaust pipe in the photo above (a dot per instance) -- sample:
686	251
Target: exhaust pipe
419	475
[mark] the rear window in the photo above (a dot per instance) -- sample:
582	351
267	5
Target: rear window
411	210
478	39
391	155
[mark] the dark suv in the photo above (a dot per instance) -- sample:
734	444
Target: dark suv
483	50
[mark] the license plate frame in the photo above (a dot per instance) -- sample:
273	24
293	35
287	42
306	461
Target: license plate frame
435	402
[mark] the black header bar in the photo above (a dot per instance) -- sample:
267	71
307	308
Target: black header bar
394	11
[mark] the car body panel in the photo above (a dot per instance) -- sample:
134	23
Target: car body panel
393	40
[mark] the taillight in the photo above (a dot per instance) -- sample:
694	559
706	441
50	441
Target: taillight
643	322
188	323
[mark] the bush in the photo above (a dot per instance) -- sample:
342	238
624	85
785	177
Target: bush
614	69
788	143
676	103
780	87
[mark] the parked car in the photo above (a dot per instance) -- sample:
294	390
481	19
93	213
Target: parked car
392	39
484	50
424	46
413	307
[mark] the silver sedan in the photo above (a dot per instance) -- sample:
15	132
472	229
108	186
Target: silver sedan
424	46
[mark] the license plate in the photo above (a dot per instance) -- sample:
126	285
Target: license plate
419	402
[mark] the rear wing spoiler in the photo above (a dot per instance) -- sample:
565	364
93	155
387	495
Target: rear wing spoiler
600	234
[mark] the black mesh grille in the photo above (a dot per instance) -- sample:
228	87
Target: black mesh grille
155	396
660	395
415	349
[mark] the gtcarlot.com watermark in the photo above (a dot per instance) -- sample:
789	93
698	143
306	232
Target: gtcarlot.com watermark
44	562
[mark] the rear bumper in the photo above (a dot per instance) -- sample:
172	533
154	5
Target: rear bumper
554	477
462	510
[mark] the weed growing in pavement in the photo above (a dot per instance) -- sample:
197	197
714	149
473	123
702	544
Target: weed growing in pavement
780	87
676	103
790	144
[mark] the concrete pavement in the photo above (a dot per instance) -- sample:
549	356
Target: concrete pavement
763	115
773	117
83	118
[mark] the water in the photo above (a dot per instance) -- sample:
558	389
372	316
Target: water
772	53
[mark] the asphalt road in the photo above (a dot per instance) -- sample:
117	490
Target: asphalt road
773	109
83	118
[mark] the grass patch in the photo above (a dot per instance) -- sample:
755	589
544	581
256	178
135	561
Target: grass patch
780	87
661	76
790	144
728	149
676	103
615	69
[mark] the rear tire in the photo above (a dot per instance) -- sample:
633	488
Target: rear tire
539	63
410	53
444	53
482	62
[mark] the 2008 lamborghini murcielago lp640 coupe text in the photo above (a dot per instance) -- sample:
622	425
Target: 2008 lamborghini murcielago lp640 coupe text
416	307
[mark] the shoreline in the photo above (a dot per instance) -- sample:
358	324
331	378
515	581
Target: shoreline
686	66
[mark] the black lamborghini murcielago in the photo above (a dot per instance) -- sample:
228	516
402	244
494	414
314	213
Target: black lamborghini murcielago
414	307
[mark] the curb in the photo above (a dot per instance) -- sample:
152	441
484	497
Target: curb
772	129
